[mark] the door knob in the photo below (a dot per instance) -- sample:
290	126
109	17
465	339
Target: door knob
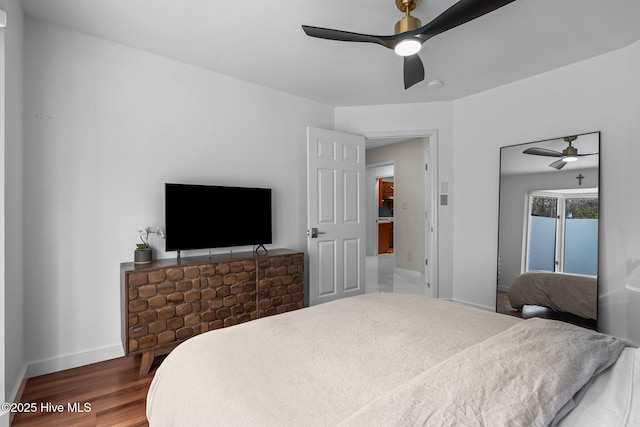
314	233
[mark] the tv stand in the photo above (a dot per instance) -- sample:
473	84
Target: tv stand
167	302
179	258
257	250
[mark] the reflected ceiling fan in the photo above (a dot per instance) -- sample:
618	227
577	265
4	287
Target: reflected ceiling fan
409	33
569	154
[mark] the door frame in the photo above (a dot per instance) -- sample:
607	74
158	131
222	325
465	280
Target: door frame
431	240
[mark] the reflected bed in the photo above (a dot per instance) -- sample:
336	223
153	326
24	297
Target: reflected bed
380	359
567	293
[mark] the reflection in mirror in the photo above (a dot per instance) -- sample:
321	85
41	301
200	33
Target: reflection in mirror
548	229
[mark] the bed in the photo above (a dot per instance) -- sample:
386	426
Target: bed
382	359
568	293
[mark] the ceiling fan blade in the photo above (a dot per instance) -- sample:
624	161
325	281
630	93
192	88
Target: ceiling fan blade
588	154
458	14
413	70
558	164
347	36
542	152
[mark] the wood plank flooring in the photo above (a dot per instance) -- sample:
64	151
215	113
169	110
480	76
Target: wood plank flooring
113	389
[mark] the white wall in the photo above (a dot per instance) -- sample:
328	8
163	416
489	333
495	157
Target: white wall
595	95
13	305
628	298
409	198
415	119
600	94
105	127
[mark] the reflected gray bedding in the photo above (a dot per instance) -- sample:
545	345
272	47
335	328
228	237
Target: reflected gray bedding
563	292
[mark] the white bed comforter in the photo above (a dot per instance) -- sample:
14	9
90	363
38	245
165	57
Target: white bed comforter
314	366
356	360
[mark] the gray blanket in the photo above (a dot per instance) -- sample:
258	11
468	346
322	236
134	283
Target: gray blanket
524	376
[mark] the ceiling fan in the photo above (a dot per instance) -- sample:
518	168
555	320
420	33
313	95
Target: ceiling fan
569	154
410	34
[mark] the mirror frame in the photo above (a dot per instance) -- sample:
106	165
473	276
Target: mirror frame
536	164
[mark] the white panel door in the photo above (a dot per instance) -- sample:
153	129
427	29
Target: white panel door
336	216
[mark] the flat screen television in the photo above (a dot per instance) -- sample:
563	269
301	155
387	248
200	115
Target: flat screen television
207	216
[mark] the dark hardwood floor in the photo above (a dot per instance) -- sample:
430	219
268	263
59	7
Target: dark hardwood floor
114	392
528	311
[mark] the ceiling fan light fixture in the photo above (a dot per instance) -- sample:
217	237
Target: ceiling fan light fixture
570	154
408	47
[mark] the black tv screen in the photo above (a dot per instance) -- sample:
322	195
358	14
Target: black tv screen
206	216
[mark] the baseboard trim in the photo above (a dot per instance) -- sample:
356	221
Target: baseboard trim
410	273
73	360
482	307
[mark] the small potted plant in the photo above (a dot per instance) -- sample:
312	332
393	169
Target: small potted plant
143	253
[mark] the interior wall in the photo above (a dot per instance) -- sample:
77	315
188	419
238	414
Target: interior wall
105	127
626	295
561	102
514	190
408	203
421	117
15	365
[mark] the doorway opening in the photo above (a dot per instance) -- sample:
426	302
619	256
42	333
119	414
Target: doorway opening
403	224
381	261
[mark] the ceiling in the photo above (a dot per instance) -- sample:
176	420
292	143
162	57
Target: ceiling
262	41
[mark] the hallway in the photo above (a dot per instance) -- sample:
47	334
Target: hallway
383	277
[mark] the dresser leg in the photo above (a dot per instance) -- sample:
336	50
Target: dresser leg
145	363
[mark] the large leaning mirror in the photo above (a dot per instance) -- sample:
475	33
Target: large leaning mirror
548	229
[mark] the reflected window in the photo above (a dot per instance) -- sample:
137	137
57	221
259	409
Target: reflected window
563	232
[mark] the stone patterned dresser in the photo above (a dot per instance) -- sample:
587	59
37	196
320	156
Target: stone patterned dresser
165	302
